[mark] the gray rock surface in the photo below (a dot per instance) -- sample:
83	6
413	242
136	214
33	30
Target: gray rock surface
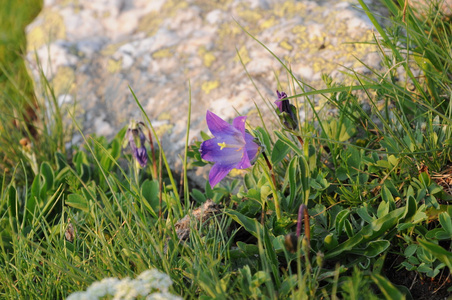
93	50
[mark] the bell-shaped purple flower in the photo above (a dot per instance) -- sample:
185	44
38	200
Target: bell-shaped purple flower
137	139
287	112
231	147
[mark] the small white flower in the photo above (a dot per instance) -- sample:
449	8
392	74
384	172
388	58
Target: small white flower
127	288
163	296
81	296
156	280
106	286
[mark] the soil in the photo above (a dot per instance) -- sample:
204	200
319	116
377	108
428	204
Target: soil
420	287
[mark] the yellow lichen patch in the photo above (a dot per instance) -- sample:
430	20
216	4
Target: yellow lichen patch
114	66
268	23
64	81
243	54
248	15
208	86
172	6
228	30
207	56
164	129
208	59
289	9
299	29
286	45
111	49
162	53
164	116
51	29
106	14
150	23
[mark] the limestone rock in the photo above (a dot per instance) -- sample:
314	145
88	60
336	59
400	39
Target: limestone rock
92	51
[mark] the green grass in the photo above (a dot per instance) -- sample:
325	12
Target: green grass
372	178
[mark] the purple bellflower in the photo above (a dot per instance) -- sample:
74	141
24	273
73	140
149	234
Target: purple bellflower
287	112
136	139
231	147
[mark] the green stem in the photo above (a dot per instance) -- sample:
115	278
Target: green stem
186	191
165	161
275	194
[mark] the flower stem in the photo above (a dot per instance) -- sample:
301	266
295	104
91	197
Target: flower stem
300	140
154	162
273	186
270	167
304	214
160	184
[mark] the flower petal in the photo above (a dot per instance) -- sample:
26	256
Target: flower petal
239	124
218	126
211	151
218	172
251	147
141	156
244	162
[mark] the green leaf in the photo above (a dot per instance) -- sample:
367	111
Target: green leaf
279	152
291	173
13	202
263	137
368	233
410	209
61	160
48	175
387	288
364	214
348	228
437	251
250	225
410	250
446	222
150	193
375	248
205	136
289	143
249	249
198	196
340	219
78	202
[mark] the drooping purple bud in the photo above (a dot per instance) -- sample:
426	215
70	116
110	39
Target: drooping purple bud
287	112
137	141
